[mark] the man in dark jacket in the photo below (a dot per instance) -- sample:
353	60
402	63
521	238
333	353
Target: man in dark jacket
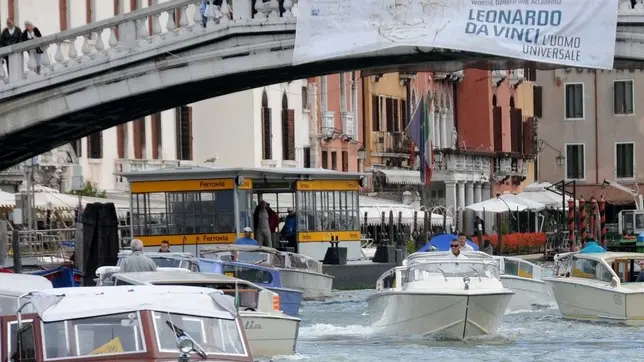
9	36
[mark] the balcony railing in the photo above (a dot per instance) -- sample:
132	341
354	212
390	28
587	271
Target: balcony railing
132	165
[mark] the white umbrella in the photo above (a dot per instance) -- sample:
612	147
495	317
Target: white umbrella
496	205
530	204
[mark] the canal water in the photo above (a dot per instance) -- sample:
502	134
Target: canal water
338	330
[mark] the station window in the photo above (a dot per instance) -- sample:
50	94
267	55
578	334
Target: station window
328	210
191	212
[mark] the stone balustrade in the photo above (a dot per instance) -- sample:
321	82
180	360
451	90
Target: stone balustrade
144	29
121	36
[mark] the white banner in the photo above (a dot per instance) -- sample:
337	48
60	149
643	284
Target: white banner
578	33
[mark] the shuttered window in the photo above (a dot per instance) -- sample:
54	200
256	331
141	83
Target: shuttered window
183	128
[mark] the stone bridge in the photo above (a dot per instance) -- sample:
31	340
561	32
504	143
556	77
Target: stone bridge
112	71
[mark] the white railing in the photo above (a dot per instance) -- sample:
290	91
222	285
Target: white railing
103	41
135	165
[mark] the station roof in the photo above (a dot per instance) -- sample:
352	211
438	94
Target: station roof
208	172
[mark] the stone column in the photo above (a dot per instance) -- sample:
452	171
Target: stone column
469	193
443	129
477	192
450	195
461	195
485	194
436	130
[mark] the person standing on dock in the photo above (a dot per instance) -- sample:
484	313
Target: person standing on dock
262	225
289	230
137	262
164	247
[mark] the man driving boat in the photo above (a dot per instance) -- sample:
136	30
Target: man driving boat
455	250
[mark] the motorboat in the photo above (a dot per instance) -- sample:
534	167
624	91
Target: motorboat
435	295
599	287
264	276
525	280
270	332
127	323
297	271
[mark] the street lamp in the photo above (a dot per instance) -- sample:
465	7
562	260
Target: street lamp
561	160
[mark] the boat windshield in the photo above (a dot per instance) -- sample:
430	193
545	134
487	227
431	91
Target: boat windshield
215	336
448	269
94	336
250	257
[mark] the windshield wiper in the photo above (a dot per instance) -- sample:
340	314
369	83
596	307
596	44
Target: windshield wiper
181	333
477	272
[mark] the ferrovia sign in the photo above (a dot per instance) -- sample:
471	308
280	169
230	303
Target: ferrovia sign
579	33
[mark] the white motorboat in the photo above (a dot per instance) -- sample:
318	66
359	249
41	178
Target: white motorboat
270	332
599	287
297	271
524	279
433	294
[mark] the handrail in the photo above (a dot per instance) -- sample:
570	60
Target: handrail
96	26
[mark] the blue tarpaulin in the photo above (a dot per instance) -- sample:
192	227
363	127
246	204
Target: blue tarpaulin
442	242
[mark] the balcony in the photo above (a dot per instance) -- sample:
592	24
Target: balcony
453	76
516	76
456	162
270	163
289	164
328	124
507	166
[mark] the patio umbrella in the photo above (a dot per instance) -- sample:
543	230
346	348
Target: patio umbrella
530	204
496	205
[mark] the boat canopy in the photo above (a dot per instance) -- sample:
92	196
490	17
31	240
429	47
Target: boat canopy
73	303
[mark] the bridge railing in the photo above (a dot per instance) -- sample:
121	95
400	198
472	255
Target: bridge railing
103	41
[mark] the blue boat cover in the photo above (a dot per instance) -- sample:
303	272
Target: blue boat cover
441	242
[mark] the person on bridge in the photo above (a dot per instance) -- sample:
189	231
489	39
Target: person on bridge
31	32
9	36
247	239
137	262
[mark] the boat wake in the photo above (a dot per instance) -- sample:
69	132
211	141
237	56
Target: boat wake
331	332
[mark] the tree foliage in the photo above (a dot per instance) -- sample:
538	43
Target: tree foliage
90	190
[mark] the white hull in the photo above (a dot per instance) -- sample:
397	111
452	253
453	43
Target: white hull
270	335
528	293
313	285
456	316
584	301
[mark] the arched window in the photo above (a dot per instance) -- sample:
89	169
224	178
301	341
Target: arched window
267	134
288	130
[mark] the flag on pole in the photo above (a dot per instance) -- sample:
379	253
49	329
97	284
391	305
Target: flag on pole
420	131
427	157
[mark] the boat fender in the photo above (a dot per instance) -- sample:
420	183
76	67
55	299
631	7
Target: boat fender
249	310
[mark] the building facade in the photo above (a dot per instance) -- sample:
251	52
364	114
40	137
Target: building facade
590	119
260	127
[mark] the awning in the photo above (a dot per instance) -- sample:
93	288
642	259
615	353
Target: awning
402	177
611	194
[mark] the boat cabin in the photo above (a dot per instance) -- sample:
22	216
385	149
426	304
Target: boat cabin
519	268
167	260
264	256
259	274
247	295
624	267
129	323
438	268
